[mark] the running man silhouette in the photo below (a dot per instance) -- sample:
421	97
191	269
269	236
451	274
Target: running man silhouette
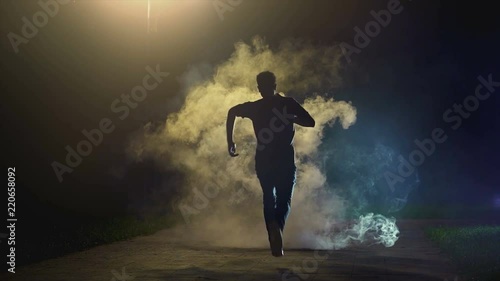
273	117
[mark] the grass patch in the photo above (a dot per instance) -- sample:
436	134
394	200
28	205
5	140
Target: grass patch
474	249
447	212
59	239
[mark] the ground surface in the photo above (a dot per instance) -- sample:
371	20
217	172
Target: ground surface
156	257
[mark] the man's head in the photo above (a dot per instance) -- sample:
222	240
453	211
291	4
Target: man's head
266	82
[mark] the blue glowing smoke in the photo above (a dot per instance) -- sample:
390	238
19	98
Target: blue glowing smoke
371	229
357	174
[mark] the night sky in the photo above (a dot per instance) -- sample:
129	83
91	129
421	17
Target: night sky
64	80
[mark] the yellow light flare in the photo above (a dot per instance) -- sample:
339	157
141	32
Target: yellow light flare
149	15
153	9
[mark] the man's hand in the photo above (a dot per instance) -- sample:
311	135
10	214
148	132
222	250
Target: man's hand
232	149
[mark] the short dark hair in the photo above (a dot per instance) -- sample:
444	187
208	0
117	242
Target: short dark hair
266	78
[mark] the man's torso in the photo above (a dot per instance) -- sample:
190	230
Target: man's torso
274	131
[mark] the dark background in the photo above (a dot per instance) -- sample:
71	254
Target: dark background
65	78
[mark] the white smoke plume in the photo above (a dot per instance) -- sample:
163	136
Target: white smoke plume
222	202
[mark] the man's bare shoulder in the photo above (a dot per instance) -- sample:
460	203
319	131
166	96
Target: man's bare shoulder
249	103
247	109
287	100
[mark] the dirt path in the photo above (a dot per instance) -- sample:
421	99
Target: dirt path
156	257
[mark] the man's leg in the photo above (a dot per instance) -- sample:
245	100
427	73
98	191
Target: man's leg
267	182
269	198
284	191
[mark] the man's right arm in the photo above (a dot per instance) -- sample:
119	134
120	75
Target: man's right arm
231	148
241	110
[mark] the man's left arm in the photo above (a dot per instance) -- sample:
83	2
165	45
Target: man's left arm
302	117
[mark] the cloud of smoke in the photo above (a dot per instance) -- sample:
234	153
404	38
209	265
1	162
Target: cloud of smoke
370	228
358	174
222	194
